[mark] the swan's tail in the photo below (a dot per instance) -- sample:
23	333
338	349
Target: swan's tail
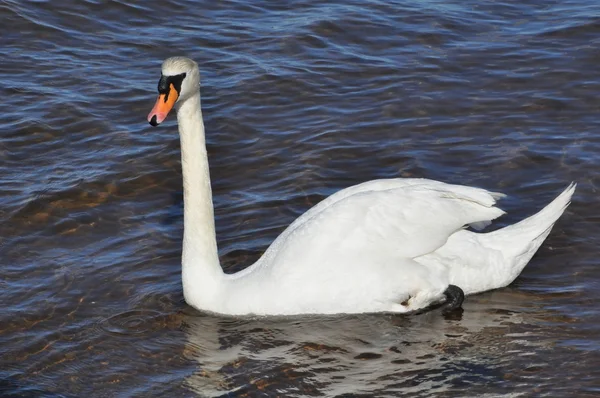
479	262
524	238
519	242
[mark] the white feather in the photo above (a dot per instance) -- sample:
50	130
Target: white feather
382	246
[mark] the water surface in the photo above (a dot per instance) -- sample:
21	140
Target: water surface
300	99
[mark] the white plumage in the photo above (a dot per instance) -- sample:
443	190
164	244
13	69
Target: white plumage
382	246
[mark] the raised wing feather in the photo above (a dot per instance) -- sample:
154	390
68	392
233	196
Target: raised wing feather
486	198
379	225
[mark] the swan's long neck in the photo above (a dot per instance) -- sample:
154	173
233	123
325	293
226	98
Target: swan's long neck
202	274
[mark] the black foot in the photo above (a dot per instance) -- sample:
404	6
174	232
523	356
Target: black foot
454	299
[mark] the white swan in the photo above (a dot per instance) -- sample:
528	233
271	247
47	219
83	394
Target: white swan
394	245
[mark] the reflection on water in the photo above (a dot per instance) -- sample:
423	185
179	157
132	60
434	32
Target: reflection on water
378	355
301	99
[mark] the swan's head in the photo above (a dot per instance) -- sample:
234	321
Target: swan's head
180	80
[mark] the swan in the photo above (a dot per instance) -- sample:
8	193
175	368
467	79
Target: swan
389	245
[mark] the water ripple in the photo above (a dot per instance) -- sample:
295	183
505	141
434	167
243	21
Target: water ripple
131	323
300	99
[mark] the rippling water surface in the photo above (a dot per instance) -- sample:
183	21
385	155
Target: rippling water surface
301	98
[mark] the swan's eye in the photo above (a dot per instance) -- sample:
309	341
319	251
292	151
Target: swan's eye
165	82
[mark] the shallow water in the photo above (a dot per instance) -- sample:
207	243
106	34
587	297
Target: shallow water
300	99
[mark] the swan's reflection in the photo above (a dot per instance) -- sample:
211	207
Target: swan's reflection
350	354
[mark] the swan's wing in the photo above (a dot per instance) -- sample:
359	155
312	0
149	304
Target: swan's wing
401	222
384	185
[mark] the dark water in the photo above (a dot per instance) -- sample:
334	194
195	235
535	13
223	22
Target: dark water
300	98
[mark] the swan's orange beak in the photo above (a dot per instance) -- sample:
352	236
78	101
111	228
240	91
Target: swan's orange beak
163	106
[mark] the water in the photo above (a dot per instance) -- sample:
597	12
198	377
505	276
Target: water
300	99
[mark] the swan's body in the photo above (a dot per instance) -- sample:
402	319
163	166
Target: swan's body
382	246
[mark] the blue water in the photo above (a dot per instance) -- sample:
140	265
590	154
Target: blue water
300	99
